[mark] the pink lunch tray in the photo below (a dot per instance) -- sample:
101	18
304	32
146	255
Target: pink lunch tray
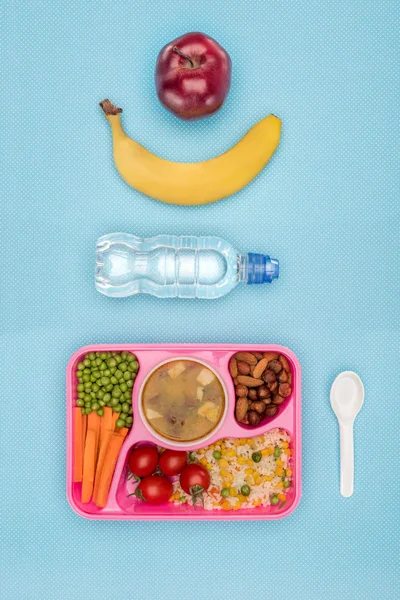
119	506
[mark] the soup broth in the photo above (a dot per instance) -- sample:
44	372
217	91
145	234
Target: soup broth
183	400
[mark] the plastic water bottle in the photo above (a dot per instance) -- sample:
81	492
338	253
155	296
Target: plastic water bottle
168	266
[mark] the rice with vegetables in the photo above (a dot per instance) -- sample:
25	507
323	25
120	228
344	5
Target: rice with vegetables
245	472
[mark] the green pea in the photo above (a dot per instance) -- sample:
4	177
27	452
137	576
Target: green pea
274	500
87	371
117	408
217	455
103	355
277	452
86	378
114	380
95	406
225	492
100	412
127	375
135	365
120	423
102	403
91	355
130	411
123	387
123	366
105	381
286	484
102	366
127	396
80	387
116	393
80	378
245	490
129	420
112	371
133	377
111	362
118	359
107	397
109	387
88	410
81	395
93	363
123	416
192	456
86	362
80	403
98	361
130	357
119	374
129	384
96	374
125	407
95	387
100	394
80	366
87	398
93	394
92	378
256	457
83	410
107	373
124	354
88	404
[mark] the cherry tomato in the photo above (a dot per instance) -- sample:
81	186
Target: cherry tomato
155	489
195	480
172	462
143	460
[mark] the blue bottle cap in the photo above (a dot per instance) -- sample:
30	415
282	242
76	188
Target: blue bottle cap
261	268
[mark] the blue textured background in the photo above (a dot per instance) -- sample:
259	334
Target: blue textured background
327	206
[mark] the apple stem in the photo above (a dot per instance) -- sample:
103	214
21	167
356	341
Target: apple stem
176	49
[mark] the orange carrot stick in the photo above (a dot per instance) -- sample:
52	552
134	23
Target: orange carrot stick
113	449
89	461
106	429
115	417
78	444
84	430
93	424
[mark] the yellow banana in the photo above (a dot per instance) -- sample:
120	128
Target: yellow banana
192	183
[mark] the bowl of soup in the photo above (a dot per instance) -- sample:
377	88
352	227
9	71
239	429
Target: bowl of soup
183	401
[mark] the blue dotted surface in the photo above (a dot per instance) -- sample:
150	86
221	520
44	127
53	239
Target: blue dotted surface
327	206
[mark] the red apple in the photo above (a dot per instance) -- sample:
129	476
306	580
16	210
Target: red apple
193	75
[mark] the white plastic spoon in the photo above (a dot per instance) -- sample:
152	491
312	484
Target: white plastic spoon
347	397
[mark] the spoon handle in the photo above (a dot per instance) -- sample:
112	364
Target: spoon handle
346	460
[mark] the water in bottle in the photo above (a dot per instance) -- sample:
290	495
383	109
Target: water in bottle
169	266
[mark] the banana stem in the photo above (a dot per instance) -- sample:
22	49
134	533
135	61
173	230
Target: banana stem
109	108
176	49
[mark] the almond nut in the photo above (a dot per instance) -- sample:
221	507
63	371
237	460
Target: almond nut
233	370
241	408
246	357
249	381
271	355
243	367
260	368
285	363
258	355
